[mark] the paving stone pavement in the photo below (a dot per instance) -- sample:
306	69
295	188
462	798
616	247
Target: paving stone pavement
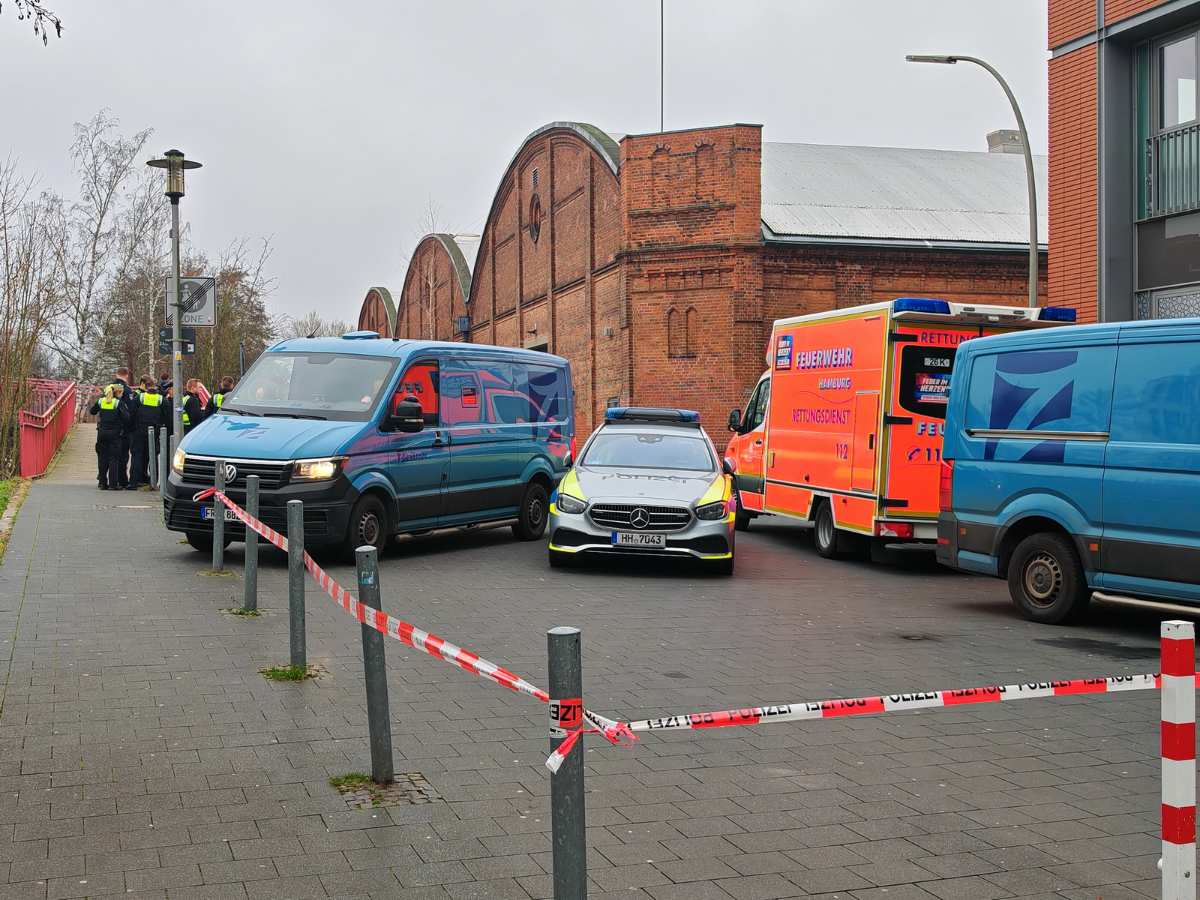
142	754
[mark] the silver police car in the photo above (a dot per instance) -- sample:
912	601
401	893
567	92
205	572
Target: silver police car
648	483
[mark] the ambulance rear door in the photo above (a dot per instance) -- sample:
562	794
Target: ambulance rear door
922	358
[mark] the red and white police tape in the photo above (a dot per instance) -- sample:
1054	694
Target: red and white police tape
409	634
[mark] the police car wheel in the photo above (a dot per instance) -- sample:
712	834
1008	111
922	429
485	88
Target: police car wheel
560	560
367	526
1046	581
531	520
741	518
719	566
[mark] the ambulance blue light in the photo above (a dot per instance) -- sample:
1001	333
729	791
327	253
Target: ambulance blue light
651	414
360	335
921	305
1056	314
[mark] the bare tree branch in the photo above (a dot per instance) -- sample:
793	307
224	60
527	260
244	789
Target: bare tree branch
42	19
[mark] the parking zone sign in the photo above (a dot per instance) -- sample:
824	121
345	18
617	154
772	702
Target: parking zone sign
199	300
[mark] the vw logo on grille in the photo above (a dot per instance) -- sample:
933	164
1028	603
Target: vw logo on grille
230	473
639	518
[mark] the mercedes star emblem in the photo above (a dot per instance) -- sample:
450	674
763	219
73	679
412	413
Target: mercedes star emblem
639	518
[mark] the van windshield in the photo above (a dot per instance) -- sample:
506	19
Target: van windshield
336	386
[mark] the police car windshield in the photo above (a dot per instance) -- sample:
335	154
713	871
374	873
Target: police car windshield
313	385
647	450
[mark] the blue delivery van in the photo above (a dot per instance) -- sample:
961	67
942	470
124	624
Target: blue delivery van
381	437
1071	464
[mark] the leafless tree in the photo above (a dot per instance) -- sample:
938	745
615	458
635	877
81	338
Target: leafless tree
42	19
312	325
28	302
95	236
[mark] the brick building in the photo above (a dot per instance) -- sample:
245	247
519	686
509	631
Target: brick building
656	263
1125	158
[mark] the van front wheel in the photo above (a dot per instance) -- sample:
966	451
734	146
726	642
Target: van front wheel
531	520
367	526
1046	581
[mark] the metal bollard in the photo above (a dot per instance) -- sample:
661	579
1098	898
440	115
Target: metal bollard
379	720
218	513
152	456
1178	743
250	575
295	536
164	463
566	785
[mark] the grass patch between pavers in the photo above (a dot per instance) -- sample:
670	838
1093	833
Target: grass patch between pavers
351	781
289	673
213	573
12	495
243	613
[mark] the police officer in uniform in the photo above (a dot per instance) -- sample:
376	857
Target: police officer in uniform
149	413
194	409
111	420
218	398
121	379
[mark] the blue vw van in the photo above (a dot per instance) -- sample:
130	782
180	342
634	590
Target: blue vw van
1071	464
381	437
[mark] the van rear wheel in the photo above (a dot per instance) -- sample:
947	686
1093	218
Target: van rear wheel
531	520
825	536
1046	580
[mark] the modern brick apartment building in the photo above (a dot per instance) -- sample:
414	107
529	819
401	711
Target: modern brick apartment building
656	263
1125	158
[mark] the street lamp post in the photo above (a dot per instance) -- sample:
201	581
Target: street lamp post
175	164
951	59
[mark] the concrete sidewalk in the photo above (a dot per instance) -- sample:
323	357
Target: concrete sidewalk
142	754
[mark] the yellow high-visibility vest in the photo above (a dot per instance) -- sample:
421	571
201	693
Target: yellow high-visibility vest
149	399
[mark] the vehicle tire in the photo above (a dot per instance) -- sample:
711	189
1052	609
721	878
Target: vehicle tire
531	520
368	526
560	560
741	518
719	566
1046	580
825	535
203	540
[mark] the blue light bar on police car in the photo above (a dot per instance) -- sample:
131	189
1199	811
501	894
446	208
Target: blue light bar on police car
360	335
920	305
1057	314
651	414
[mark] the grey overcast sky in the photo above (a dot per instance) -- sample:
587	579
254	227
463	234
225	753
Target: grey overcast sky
330	126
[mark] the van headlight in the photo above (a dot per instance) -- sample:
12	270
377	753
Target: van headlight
317	469
711	511
178	461
570	505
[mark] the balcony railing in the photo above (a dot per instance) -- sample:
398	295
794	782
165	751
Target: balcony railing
1173	171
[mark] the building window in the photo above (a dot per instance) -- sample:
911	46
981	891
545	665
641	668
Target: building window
1172	162
1178	62
1182	303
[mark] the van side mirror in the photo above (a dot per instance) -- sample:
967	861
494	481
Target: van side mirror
727	466
406	415
735	419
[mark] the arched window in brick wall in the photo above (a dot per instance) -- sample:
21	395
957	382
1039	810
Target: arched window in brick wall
660	176
679	332
705	172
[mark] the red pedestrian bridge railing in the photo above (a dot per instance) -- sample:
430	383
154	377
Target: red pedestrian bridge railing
48	415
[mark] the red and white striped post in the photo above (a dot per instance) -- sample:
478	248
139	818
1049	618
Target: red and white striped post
1178	730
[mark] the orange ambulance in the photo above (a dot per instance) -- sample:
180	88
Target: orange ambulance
844	429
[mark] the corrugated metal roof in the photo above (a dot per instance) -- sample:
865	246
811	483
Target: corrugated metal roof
893	194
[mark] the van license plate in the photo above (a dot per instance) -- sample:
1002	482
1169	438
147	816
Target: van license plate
638	539
206	513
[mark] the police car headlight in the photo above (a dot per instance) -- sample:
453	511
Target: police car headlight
317	469
711	511
177	462
570	505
